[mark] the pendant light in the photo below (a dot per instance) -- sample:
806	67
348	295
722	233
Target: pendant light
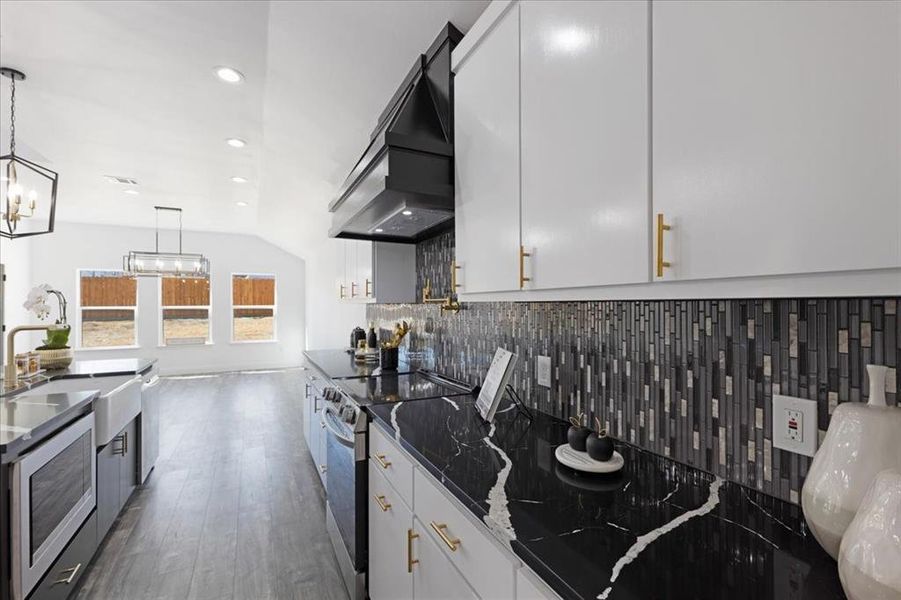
28	202
166	264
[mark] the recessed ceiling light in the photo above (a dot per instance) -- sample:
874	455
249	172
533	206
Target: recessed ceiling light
241	203
236	142
239	179
132	192
379	230
407	213
229	75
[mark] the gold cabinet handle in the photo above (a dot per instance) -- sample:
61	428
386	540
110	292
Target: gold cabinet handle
380	500
661	227
522	267
323	468
381	458
368	291
341	293
125	444
441	530
72	571
353	289
454	284
411	535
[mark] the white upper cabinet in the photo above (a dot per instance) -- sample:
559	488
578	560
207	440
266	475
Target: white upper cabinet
486	140
585	120
776	135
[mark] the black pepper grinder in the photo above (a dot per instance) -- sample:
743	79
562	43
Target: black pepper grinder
372	341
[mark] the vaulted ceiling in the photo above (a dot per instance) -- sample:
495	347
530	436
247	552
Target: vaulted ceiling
128	89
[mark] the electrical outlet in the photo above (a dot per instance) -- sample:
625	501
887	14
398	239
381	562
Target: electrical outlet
795	424
544	371
794	421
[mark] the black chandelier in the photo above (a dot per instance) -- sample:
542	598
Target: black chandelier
28	205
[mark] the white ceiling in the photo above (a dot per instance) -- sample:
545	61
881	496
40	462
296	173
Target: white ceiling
127	88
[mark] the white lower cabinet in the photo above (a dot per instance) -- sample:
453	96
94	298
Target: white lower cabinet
433	578
390	524
530	587
431	548
487	568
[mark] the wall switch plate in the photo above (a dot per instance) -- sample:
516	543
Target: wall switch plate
544	371
795	424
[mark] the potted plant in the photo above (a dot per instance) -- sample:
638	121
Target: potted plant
55	351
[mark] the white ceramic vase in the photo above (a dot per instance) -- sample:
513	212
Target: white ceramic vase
869	559
862	440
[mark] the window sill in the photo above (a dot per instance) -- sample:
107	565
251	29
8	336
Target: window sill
185	345
253	342
103	348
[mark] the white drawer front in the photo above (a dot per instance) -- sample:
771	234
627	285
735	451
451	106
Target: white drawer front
392	462
530	587
487	568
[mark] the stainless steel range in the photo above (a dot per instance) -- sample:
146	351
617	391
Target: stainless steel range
339	443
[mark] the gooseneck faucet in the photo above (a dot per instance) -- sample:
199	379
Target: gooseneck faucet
12	375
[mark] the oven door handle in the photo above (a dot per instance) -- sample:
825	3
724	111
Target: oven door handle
329	417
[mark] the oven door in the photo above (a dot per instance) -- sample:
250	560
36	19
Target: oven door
53	493
345	483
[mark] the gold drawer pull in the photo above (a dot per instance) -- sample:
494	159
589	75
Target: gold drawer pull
381	458
441	530
661	227
353	289
72	571
380	500
411	535
522	267
341	293
323	468
368	293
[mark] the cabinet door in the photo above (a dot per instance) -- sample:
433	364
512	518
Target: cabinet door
322	454
389	523
315	428
307	402
486	141
434	577
108	486
128	463
585	203
364	287
776	134
341	290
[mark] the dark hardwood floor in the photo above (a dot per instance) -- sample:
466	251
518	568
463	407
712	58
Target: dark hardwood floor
234	508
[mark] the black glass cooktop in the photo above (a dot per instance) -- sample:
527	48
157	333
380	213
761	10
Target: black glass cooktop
398	388
340	364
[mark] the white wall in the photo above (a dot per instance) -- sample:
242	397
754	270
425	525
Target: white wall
55	258
15	255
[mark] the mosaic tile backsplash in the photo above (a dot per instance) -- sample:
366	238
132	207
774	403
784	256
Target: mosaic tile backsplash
692	379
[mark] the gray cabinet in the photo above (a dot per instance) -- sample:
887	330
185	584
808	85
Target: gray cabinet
117	473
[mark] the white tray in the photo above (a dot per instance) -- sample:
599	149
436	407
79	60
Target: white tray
580	461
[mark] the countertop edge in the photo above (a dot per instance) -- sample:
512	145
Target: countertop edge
12	450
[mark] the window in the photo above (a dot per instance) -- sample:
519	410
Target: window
253	308
185	308
108	303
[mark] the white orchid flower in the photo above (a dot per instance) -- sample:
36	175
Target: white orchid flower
37	301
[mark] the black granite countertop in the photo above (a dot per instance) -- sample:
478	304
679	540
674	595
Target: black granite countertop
340	364
658	529
85	368
25	419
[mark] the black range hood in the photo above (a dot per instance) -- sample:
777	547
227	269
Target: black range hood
402	188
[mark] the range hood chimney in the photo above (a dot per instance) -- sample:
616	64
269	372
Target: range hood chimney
402	188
